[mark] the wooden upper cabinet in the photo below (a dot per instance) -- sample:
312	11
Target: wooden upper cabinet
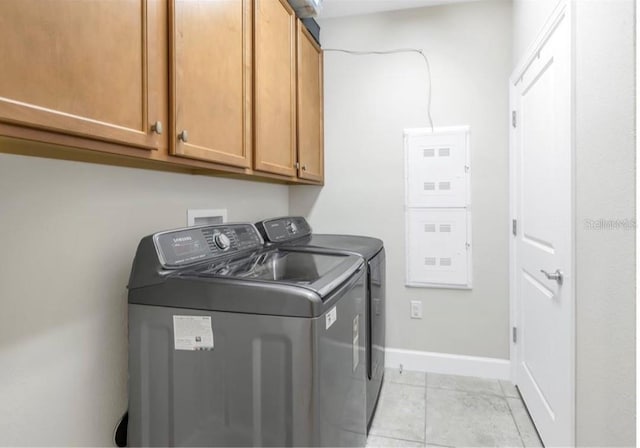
95	69
228	85
211	82
310	107
275	87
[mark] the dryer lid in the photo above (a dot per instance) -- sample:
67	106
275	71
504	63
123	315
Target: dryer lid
365	246
295	231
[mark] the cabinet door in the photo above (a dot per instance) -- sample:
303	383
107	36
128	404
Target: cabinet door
275	87
86	68
310	107
211	65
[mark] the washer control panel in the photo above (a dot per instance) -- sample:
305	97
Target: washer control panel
182	247
284	229
223	242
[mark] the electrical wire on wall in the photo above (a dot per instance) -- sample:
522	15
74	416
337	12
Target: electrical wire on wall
397	51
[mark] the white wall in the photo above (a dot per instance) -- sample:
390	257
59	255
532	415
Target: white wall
605	268
68	234
369	100
605	189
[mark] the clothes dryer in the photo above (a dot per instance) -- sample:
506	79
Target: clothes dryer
295	232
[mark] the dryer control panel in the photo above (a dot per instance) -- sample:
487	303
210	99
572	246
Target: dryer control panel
183	247
279	230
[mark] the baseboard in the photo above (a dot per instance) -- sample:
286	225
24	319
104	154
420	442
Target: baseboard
449	364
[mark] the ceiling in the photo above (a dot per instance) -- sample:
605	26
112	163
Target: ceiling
341	8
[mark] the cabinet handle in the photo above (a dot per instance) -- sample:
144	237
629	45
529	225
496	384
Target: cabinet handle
184	136
157	127
304	167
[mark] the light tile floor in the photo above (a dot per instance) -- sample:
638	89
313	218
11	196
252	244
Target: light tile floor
418	409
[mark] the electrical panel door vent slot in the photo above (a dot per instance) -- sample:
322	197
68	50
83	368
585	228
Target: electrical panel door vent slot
429	227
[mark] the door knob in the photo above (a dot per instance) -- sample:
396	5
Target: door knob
184	136
557	276
157	127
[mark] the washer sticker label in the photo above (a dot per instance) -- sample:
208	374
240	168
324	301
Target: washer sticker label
356	342
192	333
332	317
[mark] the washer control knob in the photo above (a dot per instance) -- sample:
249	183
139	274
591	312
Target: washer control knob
222	241
292	227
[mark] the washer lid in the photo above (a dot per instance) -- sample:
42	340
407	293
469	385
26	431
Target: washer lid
270	282
319	272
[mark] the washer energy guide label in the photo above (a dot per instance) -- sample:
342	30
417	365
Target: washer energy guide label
192	333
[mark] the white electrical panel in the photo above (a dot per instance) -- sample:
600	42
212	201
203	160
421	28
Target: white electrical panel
438	252
437	169
438	208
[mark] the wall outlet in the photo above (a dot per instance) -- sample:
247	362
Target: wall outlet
416	309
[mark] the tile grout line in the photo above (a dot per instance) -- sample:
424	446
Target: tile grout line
426	391
504	393
450	389
405	384
425	407
399	437
469	391
513	417
396	438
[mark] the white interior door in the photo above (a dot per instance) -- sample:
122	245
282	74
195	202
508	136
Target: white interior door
542	205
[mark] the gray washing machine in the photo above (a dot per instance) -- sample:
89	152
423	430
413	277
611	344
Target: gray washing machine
235	344
295	232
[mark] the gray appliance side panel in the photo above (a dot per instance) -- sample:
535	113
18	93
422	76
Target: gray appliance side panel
341	369
377	285
255	388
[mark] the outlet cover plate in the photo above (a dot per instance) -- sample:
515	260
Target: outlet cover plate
416	309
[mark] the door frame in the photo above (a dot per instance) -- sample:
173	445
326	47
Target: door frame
567	9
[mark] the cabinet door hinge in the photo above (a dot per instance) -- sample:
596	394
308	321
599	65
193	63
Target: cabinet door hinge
514	227
514	120
514	334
